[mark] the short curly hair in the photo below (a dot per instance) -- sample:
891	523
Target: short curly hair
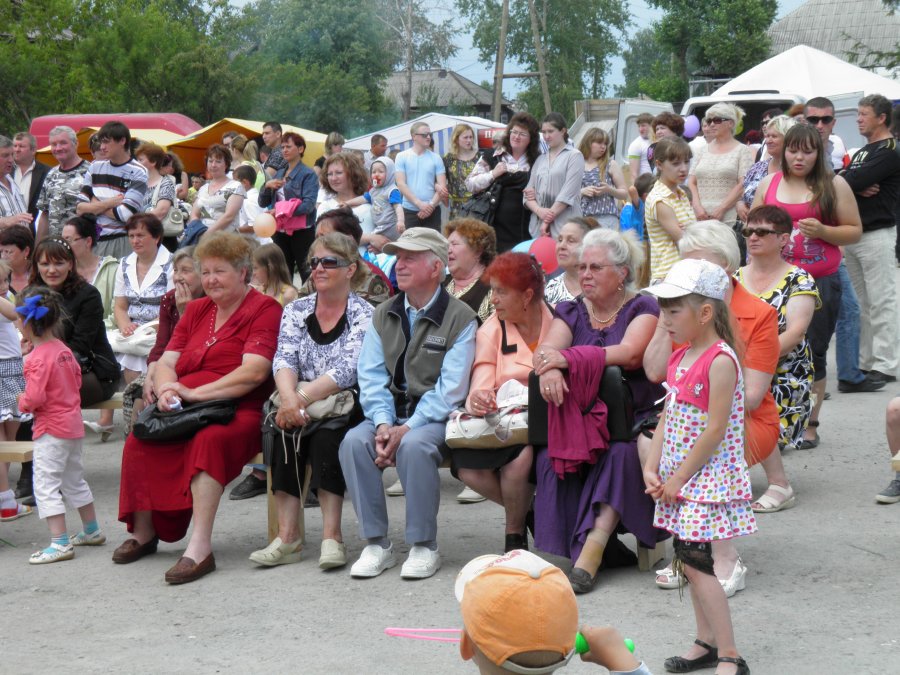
671	121
353	166
229	246
480	237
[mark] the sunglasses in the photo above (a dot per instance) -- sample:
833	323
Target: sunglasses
426	135
758	231
716	120
328	262
824	119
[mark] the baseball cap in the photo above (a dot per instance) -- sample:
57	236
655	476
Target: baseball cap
516	603
420	239
692	276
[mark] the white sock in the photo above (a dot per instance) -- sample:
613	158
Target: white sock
7	499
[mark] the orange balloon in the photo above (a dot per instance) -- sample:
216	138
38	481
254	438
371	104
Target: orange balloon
264	225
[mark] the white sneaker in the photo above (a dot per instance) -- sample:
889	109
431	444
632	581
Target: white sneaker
421	563
373	561
395	490
469	496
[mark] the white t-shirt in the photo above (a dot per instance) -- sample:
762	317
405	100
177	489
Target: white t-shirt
638	150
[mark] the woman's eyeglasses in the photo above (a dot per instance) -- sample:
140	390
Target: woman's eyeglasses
716	120
328	262
758	231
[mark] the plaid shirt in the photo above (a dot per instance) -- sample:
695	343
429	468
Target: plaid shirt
11	200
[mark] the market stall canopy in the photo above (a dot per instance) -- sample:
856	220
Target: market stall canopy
158	136
192	149
809	72
441	126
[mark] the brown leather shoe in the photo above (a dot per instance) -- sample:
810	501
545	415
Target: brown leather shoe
186	570
131	551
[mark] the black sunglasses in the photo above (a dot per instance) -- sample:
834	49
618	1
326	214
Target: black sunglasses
717	120
426	135
328	262
824	119
758	231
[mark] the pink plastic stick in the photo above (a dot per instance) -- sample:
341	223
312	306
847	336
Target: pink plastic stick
423	633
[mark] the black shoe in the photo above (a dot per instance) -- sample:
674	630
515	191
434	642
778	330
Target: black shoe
878	376
515	542
24	490
251	486
312	501
867	384
617	554
581	581
679	664
742	667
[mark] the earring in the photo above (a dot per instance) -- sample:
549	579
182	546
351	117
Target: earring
620	288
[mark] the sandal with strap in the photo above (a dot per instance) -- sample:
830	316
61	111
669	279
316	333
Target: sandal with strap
679	664
53	553
18	511
668	579
769	504
742	667
809	444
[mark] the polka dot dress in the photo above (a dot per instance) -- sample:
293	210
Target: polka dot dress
715	503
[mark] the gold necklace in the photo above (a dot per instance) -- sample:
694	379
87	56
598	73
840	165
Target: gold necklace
611	316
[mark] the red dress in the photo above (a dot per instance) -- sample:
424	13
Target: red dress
157	476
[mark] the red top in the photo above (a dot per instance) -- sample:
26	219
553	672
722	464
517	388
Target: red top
207	355
52	391
815	256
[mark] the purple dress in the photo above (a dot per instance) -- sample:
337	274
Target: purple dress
565	510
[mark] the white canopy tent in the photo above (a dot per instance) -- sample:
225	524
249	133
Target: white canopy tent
441	128
809	72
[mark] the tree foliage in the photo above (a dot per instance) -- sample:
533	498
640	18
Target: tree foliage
712	37
577	36
82	56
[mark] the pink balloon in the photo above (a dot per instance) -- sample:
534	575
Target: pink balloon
691	126
264	225
544	250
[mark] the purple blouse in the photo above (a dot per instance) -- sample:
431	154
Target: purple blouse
575	315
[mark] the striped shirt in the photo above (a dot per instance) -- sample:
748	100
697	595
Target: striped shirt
663	251
105	180
11	200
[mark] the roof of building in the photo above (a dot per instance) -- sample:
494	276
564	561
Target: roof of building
447	86
836	26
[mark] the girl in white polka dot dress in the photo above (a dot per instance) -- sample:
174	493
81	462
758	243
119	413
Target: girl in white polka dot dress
696	470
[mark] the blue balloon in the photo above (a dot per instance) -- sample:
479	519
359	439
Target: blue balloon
524	246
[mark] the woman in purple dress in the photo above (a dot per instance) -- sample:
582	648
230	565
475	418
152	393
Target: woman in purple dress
575	516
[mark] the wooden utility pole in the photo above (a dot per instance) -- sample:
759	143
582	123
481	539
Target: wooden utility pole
407	95
501	58
539	51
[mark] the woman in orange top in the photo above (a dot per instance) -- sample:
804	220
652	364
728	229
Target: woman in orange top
504	347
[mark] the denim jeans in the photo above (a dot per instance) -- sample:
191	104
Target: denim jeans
847	332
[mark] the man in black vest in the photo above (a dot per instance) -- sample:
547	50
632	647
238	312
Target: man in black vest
413	370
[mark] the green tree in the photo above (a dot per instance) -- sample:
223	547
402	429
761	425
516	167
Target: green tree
866	57
577	37
650	70
720	37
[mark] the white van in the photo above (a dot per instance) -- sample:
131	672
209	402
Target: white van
755	103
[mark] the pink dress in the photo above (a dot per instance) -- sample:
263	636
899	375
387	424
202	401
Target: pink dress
715	502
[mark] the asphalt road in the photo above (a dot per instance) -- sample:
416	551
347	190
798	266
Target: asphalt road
820	594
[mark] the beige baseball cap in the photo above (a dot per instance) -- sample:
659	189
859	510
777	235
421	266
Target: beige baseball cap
420	239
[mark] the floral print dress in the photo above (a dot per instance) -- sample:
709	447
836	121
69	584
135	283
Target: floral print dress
457	171
792	384
715	503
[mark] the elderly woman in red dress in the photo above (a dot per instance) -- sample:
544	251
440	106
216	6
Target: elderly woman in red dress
222	348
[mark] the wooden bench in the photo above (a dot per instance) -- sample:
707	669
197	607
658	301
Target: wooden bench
16	451
113	403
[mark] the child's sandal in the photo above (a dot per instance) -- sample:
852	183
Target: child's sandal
53	553
19	511
742	667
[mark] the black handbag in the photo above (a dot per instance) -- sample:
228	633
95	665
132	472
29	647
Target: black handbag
180	425
482	206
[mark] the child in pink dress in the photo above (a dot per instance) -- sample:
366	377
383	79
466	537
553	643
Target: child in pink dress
696	469
52	385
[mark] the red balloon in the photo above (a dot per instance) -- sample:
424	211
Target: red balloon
544	250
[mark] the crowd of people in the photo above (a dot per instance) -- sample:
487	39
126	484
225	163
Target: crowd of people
369	325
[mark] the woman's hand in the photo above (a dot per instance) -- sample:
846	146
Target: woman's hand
742	210
547	358
811	228
172	391
291	414
530	194
700	212
26	346
671	489
148	394
718	213
499	170
275	183
553	387
128	329
183	296
483	402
